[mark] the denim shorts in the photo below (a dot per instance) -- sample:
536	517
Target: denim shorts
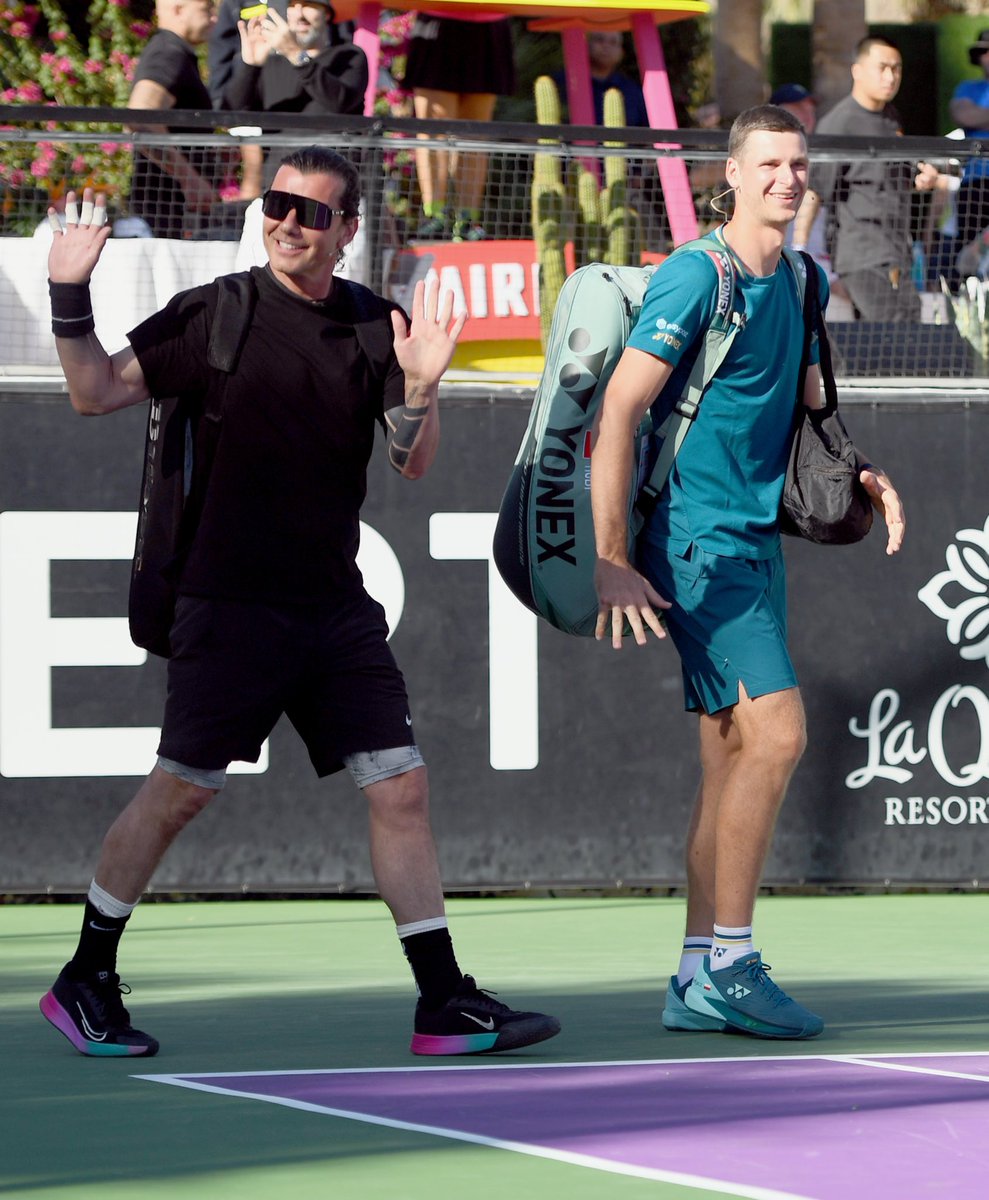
728	621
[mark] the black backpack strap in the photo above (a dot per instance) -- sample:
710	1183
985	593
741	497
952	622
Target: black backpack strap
236	297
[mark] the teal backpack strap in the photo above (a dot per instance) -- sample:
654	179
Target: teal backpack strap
721	333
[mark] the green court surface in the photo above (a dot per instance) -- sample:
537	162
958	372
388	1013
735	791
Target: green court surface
301	985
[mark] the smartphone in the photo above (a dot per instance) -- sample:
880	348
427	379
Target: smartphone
253	10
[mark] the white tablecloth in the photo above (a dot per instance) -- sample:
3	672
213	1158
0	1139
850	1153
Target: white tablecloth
135	277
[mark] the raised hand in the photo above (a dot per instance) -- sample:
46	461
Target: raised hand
76	250
425	349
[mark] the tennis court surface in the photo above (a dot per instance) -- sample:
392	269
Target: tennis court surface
284	1067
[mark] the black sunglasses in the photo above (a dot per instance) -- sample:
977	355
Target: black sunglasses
311	214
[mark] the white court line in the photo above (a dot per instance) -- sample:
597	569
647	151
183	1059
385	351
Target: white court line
578	1160
912	1070
496	1065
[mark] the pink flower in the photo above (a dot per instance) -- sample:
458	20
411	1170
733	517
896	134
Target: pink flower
79	165
92	67
230	190
20	29
58	35
16	177
30	92
39	169
141	29
108	147
47	59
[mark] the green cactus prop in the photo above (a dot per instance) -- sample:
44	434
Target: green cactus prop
550	210
622	225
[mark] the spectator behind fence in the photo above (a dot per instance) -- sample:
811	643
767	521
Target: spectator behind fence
298	63
873	244
970	109
456	69
605	51
272	616
173	187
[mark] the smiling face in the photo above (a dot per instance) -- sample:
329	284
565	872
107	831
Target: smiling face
769	177
304	259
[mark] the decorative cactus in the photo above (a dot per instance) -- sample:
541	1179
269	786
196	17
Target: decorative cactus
600	221
622	226
550	210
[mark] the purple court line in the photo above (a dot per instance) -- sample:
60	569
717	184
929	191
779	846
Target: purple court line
834	1127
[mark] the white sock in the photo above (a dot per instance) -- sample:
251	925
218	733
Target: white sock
694	949
108	905
731	942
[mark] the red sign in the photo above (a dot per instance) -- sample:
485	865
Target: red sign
497	282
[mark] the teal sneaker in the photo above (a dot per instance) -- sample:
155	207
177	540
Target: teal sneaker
676	1015
748	1001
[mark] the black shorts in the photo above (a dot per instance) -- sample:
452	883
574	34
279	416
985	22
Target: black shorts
237	666
465	57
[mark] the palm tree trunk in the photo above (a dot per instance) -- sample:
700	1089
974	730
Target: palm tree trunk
739	70
838	25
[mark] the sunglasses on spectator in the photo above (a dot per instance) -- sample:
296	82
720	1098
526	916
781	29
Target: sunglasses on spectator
311	214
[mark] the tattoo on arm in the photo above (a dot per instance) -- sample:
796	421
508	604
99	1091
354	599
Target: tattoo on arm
404	424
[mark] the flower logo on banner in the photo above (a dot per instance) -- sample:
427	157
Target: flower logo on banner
960	594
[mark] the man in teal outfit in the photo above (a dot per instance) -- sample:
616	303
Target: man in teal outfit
711	563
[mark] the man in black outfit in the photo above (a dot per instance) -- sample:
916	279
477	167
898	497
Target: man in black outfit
272	615
296	64
171	184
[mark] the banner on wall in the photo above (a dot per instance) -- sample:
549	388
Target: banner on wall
553	760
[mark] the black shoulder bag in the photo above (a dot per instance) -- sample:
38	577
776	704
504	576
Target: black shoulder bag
823	499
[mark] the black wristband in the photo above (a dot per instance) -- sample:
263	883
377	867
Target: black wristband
72	309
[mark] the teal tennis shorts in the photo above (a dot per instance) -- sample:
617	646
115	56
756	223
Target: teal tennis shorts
728	622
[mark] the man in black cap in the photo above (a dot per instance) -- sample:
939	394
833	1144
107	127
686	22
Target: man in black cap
970	109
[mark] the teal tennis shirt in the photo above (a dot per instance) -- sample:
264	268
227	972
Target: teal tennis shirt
724	490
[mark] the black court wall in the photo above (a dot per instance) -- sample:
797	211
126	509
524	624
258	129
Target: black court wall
553	761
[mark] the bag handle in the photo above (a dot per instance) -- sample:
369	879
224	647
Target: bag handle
814	323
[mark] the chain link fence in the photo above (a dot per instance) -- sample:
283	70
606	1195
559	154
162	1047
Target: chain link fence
550	197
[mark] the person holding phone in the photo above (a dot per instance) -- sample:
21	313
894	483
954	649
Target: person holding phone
298	62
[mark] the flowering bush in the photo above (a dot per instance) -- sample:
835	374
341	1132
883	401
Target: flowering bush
392	99
42	62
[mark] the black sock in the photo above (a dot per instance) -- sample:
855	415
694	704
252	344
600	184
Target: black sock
96	954
434	965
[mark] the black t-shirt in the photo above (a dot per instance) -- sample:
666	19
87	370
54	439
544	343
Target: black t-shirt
871	199
170	62
280	522
334	81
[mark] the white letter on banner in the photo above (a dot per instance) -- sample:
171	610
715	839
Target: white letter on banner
507	287
512	643
383	578
32	642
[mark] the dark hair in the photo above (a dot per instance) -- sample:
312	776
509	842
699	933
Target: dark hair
317	160
768	117
864	45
